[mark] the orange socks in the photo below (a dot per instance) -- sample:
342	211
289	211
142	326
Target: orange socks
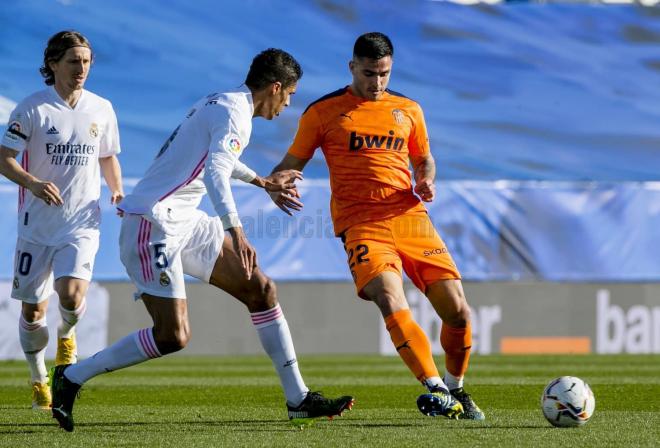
412	344
415	349
456	342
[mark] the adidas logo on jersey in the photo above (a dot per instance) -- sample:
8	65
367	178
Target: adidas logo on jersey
52	131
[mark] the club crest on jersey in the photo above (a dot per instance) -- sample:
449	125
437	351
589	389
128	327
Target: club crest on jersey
232	144
164	279
94	130
398	116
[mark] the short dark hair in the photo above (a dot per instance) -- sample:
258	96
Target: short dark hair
58	44
273	65
373	46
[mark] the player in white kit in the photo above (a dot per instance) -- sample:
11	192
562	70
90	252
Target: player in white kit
64	135
164	236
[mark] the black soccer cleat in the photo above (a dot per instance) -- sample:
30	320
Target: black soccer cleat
316	405
470	409
64	393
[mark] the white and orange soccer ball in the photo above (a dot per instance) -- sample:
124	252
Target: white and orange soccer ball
567	402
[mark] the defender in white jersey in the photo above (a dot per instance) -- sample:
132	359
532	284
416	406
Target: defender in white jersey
65	137
164	236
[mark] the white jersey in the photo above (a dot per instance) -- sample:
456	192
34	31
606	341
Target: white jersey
61	144
200	156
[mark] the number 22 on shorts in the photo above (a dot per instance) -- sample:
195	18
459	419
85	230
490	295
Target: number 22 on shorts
360	252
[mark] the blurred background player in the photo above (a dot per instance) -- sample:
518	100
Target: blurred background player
164	236
369	135
64	134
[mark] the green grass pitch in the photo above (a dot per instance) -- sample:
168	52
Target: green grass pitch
236	401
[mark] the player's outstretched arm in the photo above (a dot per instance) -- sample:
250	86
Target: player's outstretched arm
424	171
288	199
278	181
10	168
112	174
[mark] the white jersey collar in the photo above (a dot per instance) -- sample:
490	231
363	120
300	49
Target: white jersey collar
56	96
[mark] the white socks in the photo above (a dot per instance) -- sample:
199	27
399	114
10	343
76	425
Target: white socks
34	339
452	381
434	382
276	340
69	319
133	349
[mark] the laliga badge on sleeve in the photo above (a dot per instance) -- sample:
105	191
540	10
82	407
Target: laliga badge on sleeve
232	143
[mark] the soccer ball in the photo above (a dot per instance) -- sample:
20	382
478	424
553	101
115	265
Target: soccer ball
568	401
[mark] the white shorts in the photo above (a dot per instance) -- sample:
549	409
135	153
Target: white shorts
156	262
36	266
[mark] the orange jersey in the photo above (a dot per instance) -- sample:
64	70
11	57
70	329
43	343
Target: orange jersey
367	145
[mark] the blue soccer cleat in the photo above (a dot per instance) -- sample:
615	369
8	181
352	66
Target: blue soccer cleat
440	402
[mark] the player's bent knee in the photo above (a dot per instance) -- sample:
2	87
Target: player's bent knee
269	291
71	301
458	318
262	294
33	312
33	315
171	345
389	302
172	341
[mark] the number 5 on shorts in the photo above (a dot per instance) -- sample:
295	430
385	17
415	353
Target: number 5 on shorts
160	256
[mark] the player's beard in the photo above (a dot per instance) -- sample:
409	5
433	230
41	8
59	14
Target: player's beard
375	96
77	84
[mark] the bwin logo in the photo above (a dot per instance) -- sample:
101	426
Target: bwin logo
357	142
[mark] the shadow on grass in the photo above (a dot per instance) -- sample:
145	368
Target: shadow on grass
445	427
251	425
260	425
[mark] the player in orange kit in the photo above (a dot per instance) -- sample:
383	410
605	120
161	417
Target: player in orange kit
369	135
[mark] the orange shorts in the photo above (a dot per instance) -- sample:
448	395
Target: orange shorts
407	242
